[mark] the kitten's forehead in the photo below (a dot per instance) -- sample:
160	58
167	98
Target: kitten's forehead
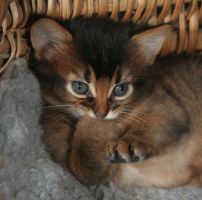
120	74
87	74
104	69
102	44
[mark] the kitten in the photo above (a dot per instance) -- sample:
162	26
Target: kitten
113	113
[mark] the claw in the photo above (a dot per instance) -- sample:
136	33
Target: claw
122	152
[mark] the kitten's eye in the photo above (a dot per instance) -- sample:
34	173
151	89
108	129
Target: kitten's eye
79	87
120	90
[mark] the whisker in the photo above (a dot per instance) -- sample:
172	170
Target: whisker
56	116
134	119
57	106
133	116
68	106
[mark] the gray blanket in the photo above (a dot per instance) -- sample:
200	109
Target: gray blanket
26	170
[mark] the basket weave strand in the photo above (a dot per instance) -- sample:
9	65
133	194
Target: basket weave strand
184	15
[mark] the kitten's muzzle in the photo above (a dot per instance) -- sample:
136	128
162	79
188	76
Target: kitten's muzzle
100	114
100	111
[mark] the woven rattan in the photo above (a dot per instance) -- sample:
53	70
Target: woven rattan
184	15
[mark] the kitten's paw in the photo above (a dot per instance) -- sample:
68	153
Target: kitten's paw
122	151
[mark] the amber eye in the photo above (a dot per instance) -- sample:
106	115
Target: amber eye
120	90
79	87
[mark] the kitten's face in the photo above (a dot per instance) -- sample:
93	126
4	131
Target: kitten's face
96	73
104	97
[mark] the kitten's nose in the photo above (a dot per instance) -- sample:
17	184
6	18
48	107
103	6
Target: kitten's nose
100	114
101	109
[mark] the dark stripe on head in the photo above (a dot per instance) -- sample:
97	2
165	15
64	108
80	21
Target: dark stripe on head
102	43
87	75
118	76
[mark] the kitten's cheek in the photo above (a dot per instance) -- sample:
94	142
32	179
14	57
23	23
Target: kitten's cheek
78	114
111	115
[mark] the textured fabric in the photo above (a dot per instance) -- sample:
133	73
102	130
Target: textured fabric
26	170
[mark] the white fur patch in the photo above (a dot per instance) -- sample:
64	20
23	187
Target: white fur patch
111	115
91	114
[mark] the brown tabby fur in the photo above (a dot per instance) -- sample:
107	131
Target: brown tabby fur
156	141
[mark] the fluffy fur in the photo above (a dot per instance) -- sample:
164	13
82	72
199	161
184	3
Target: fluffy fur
101	137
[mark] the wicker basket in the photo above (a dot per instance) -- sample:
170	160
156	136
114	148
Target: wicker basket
184	15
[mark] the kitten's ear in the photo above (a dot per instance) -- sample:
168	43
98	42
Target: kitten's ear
149	43
48	37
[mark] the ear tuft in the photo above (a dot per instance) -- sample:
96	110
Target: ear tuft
150	42
46	32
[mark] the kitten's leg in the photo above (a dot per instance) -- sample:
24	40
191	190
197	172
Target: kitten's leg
169	169
88	161
82	149
127	149
143	141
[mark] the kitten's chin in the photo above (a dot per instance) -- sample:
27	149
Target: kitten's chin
110	115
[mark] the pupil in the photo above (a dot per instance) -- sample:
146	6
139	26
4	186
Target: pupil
121	90
79	86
